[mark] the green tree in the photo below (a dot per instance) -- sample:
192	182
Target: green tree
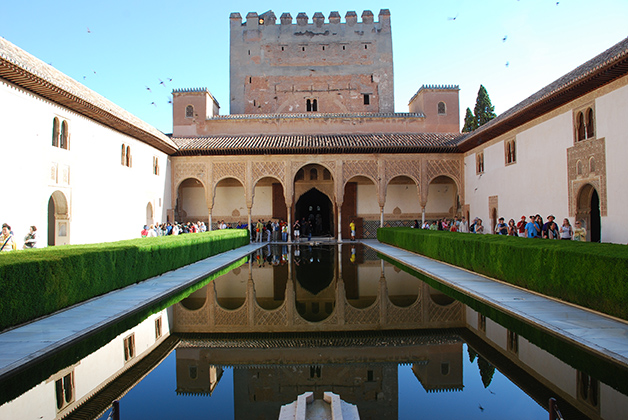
469	122
484	111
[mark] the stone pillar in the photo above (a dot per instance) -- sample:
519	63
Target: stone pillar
422	215
339	225
209	226
290	298
383	299
381	216
250	300
290	226
248	208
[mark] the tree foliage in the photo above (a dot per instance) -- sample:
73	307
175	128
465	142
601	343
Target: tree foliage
483	112
469	122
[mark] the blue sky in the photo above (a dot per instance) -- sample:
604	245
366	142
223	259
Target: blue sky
132	45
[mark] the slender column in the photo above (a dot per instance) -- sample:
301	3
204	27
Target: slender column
339	225
210	219
290	225
381	216
422	215
249	220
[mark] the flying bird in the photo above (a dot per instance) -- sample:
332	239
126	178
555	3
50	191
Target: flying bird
88	31
480	407
153	103
504	38
453	18
507	63
149	89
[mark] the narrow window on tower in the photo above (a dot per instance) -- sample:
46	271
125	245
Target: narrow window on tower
308	105
367	99
189	111
315	105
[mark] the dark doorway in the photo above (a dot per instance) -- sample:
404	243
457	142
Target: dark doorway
51	222
596	222
315	207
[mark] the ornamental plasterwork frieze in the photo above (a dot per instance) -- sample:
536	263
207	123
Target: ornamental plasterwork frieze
351	168
586	164
448	167
273	169
187	170
410	168
223	170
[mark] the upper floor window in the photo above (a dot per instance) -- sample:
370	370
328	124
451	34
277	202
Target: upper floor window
64	390
155	165
189	111
479	163
585	123
60	133
367	99
442	109
129	347
55	132
125	155
511	152
311	105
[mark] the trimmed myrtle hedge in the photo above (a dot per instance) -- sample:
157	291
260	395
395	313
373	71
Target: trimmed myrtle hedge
39	282
592	275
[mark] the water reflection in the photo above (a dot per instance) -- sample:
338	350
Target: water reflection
278	326
313	286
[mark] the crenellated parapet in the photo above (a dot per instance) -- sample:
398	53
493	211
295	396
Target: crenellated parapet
254	20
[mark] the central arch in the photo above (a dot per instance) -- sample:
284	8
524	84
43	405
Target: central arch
317	208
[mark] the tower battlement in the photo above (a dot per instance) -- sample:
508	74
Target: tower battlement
267	19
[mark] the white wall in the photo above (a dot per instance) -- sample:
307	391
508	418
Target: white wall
107	200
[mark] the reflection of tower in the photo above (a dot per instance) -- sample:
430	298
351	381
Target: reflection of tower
441	368
194	375
260	392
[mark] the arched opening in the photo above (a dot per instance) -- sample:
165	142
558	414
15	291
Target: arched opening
191	205
149	214
402	202
439	297
360	204
442	198
58	220
230	203
196	300
316	208
269	200
588	212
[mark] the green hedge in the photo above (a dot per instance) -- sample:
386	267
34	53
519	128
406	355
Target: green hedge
39	282
592	275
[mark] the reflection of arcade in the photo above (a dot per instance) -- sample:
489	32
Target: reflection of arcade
361	369
335	288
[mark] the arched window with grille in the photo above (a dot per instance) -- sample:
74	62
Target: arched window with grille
581	128
55	132
64	136
189	111
590	124
442	109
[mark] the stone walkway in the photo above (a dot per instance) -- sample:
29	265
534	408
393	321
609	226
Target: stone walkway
603	335
31	342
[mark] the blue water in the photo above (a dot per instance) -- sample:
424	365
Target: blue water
155	397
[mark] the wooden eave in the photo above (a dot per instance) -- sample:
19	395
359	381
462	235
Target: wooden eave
45	89
597	78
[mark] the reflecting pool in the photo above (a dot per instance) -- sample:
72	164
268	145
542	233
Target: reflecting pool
319	318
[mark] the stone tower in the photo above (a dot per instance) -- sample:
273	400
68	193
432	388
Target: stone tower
311	66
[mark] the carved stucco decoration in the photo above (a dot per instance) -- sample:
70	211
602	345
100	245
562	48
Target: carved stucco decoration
447	167
403	316
275	317
351	168
583	152
185	317
275	170
185	170
438	313
221	170
366	316
410	168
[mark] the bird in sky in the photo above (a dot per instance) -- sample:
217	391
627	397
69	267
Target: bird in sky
504	38
153	103
480	407
161	82
507	63
149	89
88	30
453	18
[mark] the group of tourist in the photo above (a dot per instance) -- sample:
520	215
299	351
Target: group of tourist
533	227
165	229
9	243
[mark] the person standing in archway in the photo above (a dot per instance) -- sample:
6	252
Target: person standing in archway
579	233
352	228
297	230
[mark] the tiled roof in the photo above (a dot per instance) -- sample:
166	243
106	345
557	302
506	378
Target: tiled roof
318	144
21	68
602	69
319	115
